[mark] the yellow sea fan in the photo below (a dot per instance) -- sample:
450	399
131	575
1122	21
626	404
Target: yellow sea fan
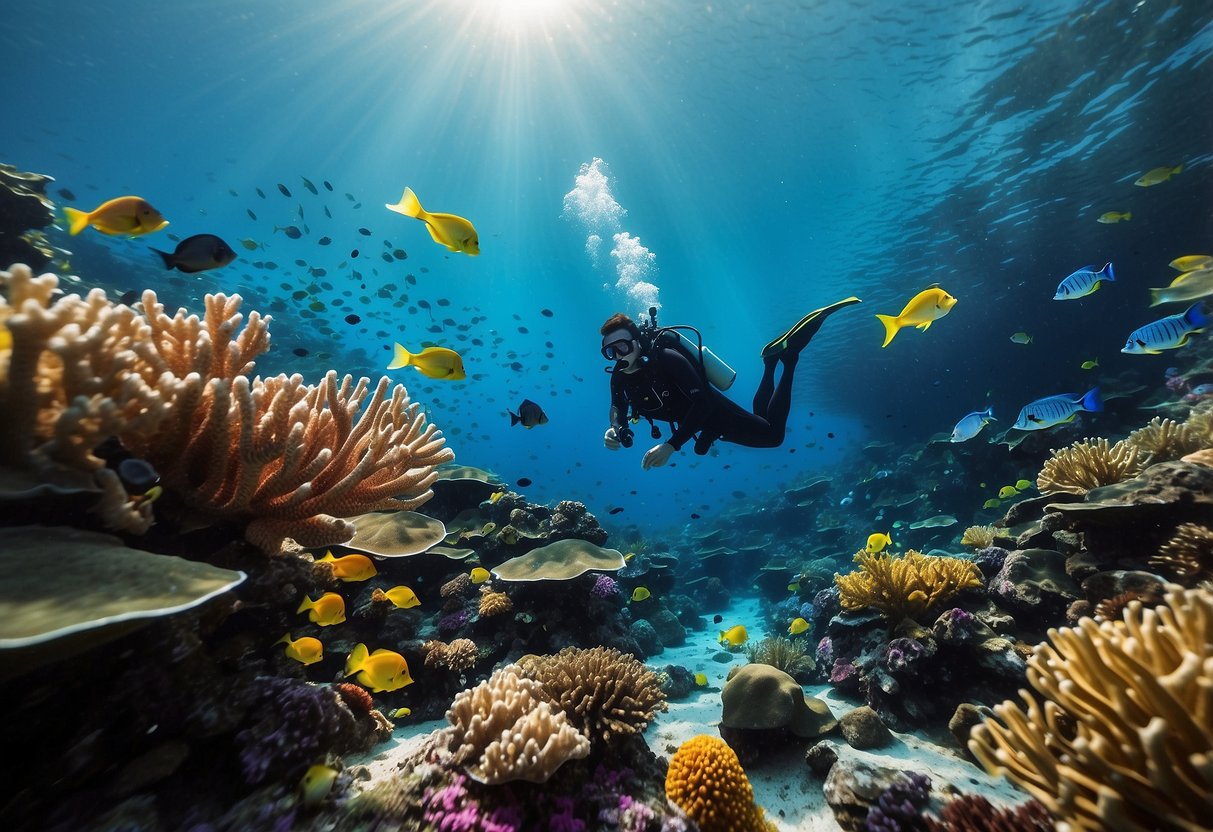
907	586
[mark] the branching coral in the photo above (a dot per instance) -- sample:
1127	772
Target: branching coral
905	587
605	693
505	729
288	458
978	537
1089	464
706	780
1188	556
783	653
1124	737
1165	439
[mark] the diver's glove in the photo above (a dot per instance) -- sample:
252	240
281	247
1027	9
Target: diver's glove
657	456
610	440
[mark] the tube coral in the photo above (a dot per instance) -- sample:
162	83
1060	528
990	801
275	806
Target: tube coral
1124	737
904	587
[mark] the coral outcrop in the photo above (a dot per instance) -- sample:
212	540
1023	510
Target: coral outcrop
505	729
706	781
907	586
1188	555
1124	736
1089	464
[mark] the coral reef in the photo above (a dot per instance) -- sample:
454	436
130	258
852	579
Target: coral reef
978	537
504	729
459	655
605	693
790	656
899	806
24	210
706	781
493	603
1089	464
1188	555
1164	440
1124	737
973	813
907	586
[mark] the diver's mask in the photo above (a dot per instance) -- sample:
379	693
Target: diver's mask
621	348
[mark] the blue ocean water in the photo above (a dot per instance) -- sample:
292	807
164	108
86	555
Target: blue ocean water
770	157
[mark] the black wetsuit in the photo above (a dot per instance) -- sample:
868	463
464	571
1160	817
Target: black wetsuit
671	388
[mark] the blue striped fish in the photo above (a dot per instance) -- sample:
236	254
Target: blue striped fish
1053	410
1166	333
1084	282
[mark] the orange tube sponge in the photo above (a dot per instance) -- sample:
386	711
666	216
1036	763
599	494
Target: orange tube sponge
706	781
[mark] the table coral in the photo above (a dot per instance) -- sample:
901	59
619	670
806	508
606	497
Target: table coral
706	780
1124	736
905	587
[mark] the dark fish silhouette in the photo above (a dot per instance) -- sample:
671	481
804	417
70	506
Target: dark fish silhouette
283	189
198	254
529	414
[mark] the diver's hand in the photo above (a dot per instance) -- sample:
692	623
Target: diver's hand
610	440
657	456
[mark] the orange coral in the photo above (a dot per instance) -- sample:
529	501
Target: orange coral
358	700
494	603
706	780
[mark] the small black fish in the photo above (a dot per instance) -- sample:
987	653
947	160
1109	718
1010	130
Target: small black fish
830	435
66	194
615	510
694	516
400	254
300	351
524	482
354	254
324	241
197	254
529	414
251	215
352	319
128	298
283	189
308	184
387	258
290	231
327	186
547	313
326	212
716	619
260	193
365	232
410	279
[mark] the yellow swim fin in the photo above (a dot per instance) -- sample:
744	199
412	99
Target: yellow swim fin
892	325
400	358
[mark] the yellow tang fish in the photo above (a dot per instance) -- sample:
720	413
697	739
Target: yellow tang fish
794	586
403	597
798	626
734	636
1156	176
1021	338
479	575
132	216
306	650
400	713
1191	262
350	567
316	785
326	610
701	680
991	503
924	309
1111	217
640	593
1023	485
456	233
434	362
1007	492
877	542
382	671
1090	365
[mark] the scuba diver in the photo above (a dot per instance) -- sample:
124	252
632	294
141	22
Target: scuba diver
662	374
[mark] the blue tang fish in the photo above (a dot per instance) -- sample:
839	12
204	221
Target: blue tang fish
1053	410
1084	282
971	425
1166	333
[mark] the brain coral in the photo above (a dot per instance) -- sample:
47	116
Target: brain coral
706	781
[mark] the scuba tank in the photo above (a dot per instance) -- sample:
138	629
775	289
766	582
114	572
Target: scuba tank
719	374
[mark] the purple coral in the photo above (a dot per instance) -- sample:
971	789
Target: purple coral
290	723
901	653
454	622
825	651
990	559
899	807
453	808
844	674
604	587
561	818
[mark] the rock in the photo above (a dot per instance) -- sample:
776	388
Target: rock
956	626
760	697
821	757
723	657
676	681
670	632
1033	508
998	656
1034	583
1119	581
965	717
24	207
646	637
853	787
862	728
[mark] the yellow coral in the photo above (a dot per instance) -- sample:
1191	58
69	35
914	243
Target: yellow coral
1089	464
706	780
494	603
1124	737
978	537
1165	439
905	587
